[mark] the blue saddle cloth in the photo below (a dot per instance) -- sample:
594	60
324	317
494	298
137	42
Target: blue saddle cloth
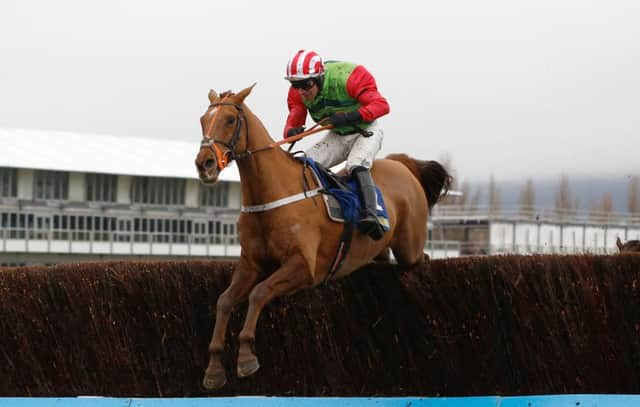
347	194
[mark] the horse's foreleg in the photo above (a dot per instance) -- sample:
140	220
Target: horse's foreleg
384	256
242	281
292	276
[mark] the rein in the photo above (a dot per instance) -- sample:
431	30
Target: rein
223	159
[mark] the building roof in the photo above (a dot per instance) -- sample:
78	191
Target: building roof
98	153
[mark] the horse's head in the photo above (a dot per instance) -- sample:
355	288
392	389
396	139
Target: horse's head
224	133
631	246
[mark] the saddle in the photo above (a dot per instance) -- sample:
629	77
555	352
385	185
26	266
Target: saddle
341	196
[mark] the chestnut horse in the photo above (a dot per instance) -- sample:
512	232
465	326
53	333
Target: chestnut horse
631	246
292	245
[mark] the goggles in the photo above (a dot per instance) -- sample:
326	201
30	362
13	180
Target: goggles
304	84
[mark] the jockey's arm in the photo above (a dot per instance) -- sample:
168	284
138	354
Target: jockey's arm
297	111
362	86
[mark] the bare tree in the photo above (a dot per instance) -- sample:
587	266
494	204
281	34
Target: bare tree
446	161
603	208
465	193
605	205
527	197
633	201
494	196
566	203
474	203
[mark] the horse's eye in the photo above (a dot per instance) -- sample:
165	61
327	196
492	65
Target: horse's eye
230	120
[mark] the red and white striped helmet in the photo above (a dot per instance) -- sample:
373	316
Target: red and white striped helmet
304	65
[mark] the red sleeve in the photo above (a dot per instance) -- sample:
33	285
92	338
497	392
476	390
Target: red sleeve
362	86
297	111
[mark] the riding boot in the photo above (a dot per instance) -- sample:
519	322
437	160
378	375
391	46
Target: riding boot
368	224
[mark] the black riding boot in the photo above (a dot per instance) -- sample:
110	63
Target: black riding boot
368	224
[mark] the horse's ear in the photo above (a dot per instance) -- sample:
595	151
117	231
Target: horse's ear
239	98
619	243
212	96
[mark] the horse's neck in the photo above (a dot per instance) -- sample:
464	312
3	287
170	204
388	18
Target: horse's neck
270	174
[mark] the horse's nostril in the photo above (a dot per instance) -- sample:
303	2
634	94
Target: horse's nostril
209	163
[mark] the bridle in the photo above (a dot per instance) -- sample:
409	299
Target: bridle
223	159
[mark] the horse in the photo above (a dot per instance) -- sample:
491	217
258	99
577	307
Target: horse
290	244
631	246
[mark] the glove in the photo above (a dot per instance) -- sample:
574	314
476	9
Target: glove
295	131
345	118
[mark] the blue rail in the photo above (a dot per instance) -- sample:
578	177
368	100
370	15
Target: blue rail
571	400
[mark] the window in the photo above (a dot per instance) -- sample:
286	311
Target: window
61	227
223	232
101	187
39	226
124	230
199	232
179	230
79	227
84	228
8	183
51	185
158	191
161	230
13	225
140	230
216	196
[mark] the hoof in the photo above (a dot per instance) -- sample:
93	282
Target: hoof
214	381
249	367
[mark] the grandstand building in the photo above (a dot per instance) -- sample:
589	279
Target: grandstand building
72	197
67	197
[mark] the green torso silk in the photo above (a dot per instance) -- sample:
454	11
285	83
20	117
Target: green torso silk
334	97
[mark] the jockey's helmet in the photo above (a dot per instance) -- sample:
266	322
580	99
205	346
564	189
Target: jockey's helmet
304	64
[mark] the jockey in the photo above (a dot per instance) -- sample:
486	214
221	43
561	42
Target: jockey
346	96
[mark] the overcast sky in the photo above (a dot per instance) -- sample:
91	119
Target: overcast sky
510	87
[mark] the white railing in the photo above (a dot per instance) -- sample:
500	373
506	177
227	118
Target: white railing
443	212
31	240
440	249
547	249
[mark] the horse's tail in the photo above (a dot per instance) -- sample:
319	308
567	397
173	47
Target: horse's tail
433	177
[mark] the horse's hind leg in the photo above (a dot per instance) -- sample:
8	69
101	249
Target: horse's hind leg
292	276
406	257
408	245
242	281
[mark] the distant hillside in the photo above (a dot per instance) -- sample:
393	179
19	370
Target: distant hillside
588	190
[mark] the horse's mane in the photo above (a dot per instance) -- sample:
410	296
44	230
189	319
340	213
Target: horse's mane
226	93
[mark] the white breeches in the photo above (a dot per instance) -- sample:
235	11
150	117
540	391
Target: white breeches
356	149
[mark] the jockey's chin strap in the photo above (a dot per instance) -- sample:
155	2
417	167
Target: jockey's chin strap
224	158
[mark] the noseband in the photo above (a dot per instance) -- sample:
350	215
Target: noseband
230	155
